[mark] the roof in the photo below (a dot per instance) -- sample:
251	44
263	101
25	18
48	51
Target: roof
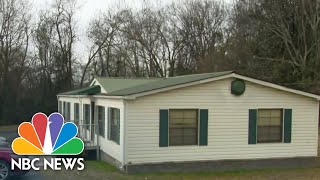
166	82
135	87
91	90
116	84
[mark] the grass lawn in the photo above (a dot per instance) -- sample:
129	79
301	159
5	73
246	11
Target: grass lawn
9	128
101	170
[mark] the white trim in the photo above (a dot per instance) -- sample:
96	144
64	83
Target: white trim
72	96
95	96
95	81
275	86
112	97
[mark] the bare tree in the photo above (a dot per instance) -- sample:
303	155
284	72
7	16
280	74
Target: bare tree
14	44
63	19
202	26
282	36
101	34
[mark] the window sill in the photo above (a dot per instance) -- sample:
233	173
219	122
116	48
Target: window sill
114	142
183	146
271	143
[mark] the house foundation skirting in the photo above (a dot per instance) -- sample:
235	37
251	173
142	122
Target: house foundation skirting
107	158
225	165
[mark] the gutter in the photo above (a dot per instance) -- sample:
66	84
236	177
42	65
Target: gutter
72	96
114	97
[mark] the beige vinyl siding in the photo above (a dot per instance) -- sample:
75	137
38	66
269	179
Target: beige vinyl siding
228	123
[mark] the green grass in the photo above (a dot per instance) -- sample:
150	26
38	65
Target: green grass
6	128
233	173
101	170
101	166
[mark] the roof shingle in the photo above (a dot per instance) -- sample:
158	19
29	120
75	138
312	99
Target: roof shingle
163	83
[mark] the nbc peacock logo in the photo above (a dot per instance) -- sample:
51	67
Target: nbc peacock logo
47	136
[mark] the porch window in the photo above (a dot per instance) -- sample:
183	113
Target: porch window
101	120
269	125
114	125
60	107
183	127
64	109
86	116
67	113
76	109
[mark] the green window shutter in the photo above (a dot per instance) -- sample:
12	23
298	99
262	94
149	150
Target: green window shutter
252	131
103	125
203	134
109	124
118	127
287	125
163	128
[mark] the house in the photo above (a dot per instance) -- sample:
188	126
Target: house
193	118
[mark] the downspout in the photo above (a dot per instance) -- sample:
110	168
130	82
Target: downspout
96	129
124	155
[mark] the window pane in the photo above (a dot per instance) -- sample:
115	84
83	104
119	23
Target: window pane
86	116
275	133
190	114
176	122
263	121
264	113
262	134
190	132
176	114
189	140
276	113
269	125
275	121
68	111
101	120
76	112
183	127
115	125
60	107
176	141
176	132
190	123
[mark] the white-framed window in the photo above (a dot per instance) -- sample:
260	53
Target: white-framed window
86	116
114	124
76	112
101	120
270	125
183	127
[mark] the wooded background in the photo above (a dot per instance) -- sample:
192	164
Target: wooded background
273	40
